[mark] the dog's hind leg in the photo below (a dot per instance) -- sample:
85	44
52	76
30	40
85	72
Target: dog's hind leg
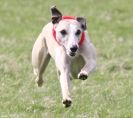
40	58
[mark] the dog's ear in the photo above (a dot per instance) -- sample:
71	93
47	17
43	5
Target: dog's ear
82	21
56	15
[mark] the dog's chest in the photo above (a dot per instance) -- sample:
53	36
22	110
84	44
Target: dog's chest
76	66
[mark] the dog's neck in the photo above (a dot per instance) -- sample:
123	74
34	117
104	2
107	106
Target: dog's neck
82	35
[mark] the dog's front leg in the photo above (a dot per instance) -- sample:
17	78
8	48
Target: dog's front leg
89	54
65	87
63	65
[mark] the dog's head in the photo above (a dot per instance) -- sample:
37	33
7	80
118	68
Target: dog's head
68	31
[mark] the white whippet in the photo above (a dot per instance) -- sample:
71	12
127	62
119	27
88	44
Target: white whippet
66	40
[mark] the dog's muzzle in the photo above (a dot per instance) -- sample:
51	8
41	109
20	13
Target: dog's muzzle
73	50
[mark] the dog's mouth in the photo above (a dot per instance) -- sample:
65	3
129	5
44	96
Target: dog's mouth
72	54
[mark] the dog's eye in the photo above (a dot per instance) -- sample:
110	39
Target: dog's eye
63	32
78	32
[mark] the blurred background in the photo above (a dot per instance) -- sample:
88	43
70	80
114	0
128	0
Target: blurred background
107	93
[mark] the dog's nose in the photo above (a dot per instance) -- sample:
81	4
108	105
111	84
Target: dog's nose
74	48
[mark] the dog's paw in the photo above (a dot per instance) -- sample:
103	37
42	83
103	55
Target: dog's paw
67	103
83	75
39	82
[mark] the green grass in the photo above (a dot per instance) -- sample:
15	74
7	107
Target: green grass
108	93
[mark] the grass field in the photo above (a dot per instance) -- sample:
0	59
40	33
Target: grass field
107	93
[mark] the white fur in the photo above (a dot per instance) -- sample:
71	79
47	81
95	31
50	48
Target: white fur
46	47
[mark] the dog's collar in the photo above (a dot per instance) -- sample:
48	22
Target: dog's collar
73	18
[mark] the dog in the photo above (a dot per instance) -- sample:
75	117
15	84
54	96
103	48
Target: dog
66	40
